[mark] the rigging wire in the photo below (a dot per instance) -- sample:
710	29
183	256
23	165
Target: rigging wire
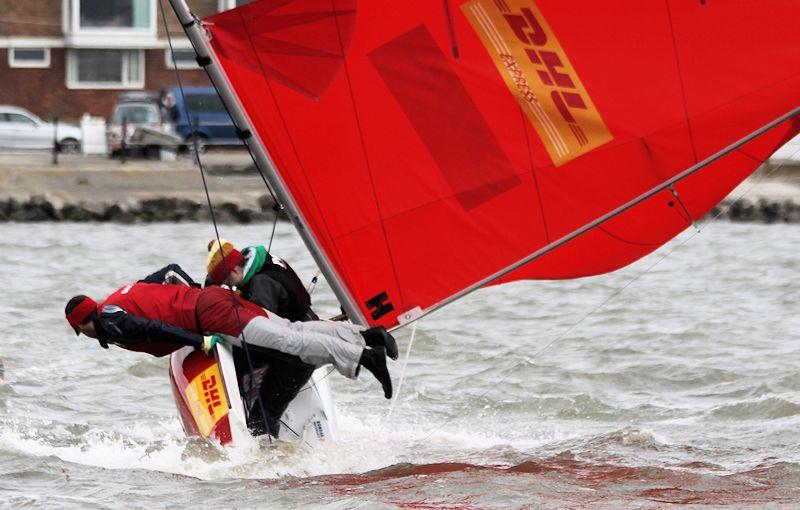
612	296
277	207
274	225
214	220
312	286
402	371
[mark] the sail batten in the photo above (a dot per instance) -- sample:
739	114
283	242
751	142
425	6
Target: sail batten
421	168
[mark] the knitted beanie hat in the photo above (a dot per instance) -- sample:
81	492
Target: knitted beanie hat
221	260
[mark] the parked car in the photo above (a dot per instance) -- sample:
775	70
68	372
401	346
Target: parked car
22	130
134	109
210	122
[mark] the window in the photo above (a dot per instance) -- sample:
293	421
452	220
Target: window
204	103
109	69
184	58
224	5
136	114
17	118
114	15
29	57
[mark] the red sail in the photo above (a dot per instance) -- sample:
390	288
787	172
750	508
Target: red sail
430	144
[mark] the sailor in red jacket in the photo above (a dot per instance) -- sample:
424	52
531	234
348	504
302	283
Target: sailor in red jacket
159	319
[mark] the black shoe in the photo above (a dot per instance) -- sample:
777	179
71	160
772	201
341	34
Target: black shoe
374	360
379	337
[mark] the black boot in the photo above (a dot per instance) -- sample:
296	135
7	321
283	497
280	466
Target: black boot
374	360
378	336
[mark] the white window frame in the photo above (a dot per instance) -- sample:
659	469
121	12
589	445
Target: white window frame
224	5
191	66
72	72
30	64
75	19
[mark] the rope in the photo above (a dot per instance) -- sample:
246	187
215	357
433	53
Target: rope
683	206
402	371
213	218
612	296
277	210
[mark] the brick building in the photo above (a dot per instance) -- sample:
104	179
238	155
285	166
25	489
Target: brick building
68	57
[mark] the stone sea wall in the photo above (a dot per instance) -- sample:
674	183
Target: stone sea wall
170	209
83	188
167	209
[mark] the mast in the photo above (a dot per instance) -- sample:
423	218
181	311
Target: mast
199	39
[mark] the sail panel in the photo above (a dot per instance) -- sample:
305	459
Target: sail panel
647	226
428	148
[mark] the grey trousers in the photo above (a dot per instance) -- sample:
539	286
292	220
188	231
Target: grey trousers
315	342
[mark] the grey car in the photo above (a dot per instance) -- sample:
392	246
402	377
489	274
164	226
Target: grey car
22	130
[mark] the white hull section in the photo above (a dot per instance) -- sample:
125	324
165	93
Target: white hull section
310	418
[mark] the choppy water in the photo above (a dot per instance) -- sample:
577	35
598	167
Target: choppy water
682	389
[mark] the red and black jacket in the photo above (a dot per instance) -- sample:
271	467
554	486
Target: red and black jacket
151	315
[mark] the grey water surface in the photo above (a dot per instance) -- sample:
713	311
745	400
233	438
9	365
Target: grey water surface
682	389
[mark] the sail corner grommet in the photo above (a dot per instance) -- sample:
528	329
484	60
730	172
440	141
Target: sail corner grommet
409	315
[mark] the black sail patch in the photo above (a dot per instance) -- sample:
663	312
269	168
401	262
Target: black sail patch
379	305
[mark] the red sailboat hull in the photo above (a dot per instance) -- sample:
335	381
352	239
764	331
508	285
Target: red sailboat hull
200	395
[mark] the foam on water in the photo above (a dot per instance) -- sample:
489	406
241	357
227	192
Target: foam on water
687	380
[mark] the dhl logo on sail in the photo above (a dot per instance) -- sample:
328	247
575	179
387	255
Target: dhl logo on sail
537	71
208	399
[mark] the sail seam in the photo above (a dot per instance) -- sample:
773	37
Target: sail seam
626	241
366	156
747	155
288	133
533	173
451	29
683	86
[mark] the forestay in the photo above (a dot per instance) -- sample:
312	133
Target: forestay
430	144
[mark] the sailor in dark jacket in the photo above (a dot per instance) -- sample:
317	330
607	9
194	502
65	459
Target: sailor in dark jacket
270	282
261	278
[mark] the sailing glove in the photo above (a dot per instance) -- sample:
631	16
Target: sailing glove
209	342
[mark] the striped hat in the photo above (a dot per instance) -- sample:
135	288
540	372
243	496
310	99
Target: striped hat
217	267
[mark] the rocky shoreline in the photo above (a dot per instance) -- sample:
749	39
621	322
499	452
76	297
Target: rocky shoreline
169	209
757	211
83	188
